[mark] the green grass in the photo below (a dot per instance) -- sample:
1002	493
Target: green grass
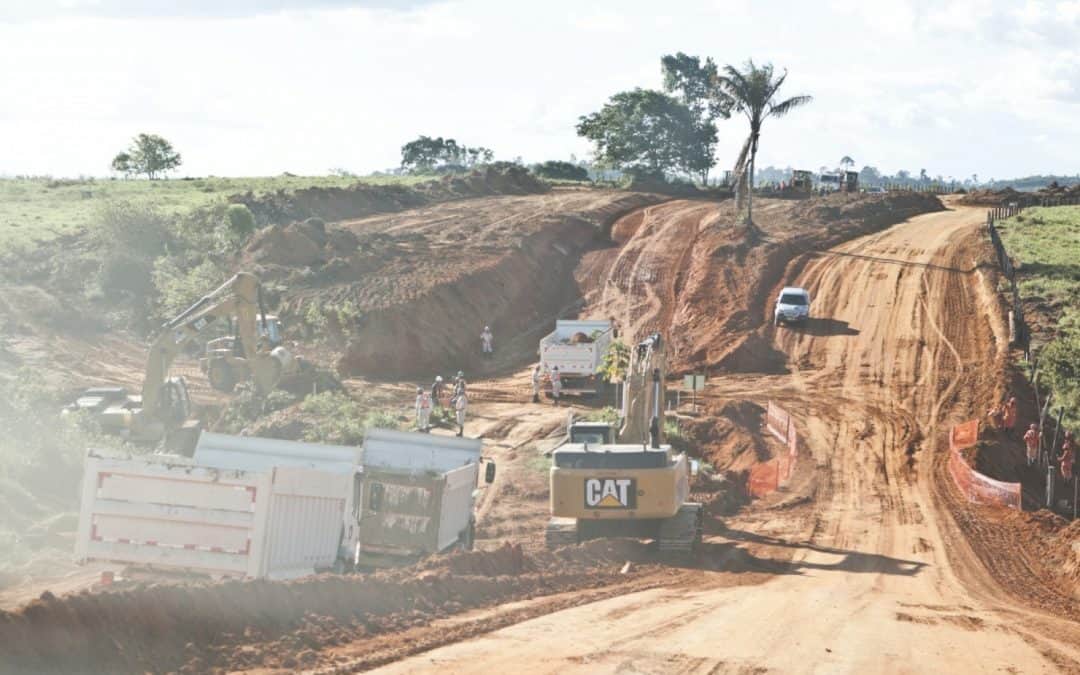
37	210
1046	244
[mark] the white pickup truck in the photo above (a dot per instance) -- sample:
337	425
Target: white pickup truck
577	349
792	306
267	508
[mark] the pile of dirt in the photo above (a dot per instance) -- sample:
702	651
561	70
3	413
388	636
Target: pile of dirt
363	200
1008	195
266	624
407	294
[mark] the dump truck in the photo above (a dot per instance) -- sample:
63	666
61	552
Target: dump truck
577	348
637	487
270	508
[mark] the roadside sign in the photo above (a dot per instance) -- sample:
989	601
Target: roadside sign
693	382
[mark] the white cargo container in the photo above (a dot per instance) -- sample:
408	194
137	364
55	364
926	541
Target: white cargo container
577	361
280	523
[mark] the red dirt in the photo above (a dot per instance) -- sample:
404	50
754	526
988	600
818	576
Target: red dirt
407	294
686	269
248	624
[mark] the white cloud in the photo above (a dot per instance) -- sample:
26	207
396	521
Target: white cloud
953	87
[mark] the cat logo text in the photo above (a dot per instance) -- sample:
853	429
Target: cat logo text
610	493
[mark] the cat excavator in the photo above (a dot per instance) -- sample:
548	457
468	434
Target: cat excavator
634	487
162	411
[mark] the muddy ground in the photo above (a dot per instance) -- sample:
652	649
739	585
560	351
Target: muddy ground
886	559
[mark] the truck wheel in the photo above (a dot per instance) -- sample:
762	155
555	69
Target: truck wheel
221	376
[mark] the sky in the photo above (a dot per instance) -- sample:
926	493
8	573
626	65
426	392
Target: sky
261	87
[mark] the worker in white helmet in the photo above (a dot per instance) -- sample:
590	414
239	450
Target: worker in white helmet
461	403
423	410
487	341
556	384
537	380
437	392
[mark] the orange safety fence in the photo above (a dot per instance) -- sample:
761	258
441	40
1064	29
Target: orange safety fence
766	477
975	486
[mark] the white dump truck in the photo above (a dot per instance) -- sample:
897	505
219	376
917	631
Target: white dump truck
577	349
267	508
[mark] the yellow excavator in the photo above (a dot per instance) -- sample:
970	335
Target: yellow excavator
163	409
635	487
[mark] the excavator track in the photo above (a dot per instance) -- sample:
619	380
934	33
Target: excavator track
681	533
561	532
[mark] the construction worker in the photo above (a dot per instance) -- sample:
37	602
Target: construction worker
423	410
1009	414
437	392
995	415
461	403
1067	456
537	380
487	341
459	385
1031	440
556	385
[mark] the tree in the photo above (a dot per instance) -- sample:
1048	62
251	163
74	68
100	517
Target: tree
427	155
922	176
121	163
149	154
697	87
869	175
847	161
615	364
647	131
557	170
753	92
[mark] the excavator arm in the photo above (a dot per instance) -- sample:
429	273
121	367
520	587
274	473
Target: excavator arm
238	297
643	399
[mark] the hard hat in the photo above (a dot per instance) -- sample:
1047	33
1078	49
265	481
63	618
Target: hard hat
438	378
486	328
461	373
419	390
1032	425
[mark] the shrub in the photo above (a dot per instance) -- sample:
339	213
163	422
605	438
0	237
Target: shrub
241	221
138	228
179	289
609	415
339	419
557	170
1060	363
123	271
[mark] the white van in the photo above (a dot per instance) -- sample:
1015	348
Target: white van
792	305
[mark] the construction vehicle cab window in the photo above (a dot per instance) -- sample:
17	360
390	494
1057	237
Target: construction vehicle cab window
356	335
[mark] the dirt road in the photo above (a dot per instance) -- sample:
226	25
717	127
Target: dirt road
874	577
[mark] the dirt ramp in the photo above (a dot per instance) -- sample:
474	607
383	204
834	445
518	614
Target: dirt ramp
694	271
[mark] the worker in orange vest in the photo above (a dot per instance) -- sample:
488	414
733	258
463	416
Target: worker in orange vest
1066	457
1010	414
1031	440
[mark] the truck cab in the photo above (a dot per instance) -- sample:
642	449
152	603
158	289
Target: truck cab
792	306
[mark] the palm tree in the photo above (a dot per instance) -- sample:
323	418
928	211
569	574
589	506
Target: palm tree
752	91
846	161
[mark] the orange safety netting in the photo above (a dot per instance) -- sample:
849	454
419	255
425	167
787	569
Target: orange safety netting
975	486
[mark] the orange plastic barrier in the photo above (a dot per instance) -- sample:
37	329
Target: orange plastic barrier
766	477
978	488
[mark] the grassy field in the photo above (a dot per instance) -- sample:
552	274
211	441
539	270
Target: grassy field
1046	244
37	210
